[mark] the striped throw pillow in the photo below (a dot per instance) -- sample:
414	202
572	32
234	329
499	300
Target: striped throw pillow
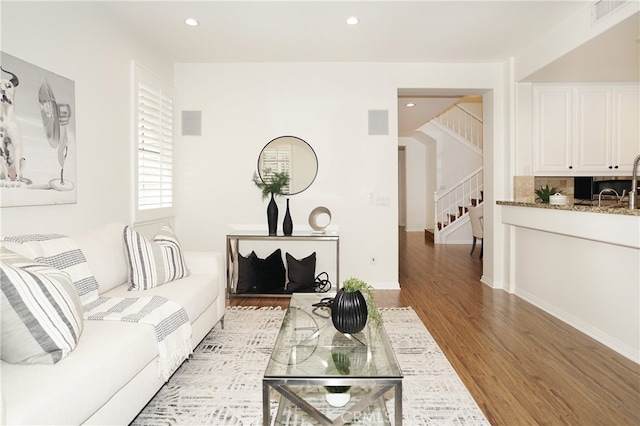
41	311
153	263
61	252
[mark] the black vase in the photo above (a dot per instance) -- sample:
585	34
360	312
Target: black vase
349	311
287	224
272	216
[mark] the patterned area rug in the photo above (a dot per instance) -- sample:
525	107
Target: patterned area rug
221	384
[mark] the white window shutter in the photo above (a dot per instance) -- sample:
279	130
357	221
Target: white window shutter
154	102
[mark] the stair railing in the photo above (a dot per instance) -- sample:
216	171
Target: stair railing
463	123
452	203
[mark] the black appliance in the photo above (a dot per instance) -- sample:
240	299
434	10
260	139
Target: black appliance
588	188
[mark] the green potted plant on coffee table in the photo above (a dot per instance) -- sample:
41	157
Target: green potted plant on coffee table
353	304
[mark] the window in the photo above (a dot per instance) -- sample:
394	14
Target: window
276	159
154	146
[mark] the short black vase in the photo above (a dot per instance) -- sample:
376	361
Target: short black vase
349	311
272	216
287	224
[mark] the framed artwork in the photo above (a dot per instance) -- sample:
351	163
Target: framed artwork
37	135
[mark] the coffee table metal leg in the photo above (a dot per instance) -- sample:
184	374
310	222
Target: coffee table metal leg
266	413
398	409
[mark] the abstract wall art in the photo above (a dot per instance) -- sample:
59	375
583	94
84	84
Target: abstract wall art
37	135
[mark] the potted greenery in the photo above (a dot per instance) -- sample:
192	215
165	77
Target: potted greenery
338	396
544	192
352	305
275	184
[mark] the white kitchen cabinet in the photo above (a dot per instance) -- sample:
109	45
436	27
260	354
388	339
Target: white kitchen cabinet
592	119
552	130
626	127
585	130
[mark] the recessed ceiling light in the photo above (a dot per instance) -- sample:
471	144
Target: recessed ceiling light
352	20
192	22
410	104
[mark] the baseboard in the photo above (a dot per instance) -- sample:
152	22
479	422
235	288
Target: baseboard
385	285
607	340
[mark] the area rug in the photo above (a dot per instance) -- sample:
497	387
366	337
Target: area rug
221	384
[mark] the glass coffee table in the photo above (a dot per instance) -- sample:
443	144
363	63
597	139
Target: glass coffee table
311	359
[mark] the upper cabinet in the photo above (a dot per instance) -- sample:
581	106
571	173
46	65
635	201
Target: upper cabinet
588	130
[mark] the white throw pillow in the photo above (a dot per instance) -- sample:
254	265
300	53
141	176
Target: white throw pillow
153	263
41	311
62	253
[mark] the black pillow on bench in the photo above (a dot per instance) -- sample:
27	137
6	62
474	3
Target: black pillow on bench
301	273
247	277
270	272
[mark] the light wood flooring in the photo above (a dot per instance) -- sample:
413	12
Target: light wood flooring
522	365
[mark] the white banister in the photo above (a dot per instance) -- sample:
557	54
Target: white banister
463	194
463	123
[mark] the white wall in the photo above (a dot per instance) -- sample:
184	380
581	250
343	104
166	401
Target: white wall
79	41
246	105
417	171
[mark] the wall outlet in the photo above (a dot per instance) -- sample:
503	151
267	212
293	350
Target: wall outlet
373	260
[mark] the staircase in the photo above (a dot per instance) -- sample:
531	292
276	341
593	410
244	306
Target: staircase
451	206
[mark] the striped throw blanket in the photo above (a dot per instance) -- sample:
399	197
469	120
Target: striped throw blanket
169	320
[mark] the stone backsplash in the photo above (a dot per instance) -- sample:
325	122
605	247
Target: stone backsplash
524	187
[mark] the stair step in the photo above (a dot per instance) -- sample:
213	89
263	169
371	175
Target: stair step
429	235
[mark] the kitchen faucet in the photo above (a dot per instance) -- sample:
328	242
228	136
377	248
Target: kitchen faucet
634	184
609	190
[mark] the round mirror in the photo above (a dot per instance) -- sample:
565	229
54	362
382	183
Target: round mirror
292	155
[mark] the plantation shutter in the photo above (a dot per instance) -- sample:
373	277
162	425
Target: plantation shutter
277	159
155	142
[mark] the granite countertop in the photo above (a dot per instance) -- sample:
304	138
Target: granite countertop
577	208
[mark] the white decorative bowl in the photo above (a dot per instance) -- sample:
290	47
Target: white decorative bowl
558	199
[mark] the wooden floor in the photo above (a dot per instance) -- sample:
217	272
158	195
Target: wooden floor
522	366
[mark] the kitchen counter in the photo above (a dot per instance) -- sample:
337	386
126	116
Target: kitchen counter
578	208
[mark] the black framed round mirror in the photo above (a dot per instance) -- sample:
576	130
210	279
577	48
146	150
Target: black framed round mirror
292	155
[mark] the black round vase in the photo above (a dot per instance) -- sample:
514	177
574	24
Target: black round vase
349	311
287	224
272	216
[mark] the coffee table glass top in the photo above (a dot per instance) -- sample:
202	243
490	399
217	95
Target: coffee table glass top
309	346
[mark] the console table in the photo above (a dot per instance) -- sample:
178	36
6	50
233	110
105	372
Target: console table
246	238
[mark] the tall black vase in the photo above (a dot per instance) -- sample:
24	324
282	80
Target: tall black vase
272	216
349	311
287	224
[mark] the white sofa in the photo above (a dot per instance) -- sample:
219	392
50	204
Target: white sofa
112	373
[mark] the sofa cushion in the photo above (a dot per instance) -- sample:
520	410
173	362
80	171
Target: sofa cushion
105	254
41	311
194	293
153	263
109	354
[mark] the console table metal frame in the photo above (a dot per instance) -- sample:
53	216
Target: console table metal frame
233	247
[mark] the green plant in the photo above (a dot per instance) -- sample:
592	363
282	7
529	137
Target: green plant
275	184
544	192
354	284
343	365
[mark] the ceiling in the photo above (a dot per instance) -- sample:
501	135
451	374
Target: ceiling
389	31
305	30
